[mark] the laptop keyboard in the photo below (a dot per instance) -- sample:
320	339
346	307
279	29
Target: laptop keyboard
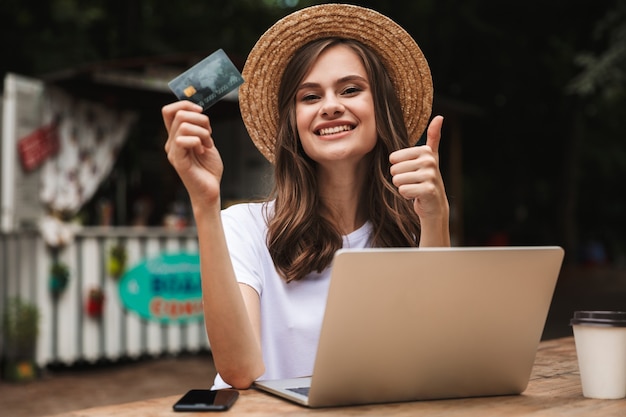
302	390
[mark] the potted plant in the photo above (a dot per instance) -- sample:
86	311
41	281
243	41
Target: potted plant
59	276
20	328
95	303
117	260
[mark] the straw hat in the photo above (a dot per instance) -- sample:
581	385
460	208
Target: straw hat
263	71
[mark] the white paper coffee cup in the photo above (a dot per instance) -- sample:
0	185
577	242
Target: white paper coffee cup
600	338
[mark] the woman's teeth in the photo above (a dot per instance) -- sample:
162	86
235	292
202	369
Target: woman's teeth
333	130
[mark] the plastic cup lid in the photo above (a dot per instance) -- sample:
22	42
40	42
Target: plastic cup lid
600	318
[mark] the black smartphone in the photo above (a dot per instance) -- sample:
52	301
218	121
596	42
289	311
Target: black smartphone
207	400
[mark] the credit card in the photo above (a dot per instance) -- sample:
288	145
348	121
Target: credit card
208	81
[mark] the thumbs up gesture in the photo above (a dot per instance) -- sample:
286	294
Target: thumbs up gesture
416	173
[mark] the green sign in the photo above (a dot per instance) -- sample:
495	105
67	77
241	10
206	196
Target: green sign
165	288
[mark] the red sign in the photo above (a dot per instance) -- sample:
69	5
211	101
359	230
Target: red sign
38	146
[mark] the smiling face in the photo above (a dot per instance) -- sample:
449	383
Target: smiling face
335	108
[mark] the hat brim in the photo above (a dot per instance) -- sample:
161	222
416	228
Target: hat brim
263	70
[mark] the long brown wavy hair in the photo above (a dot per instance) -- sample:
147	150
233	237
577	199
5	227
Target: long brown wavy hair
301	236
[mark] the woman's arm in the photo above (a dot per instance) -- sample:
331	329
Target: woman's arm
231	310
416	173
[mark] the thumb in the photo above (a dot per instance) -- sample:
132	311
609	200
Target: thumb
433	135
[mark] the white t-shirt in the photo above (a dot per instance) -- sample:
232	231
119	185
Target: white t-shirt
291	313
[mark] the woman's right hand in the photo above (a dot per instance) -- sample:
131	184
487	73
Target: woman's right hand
191	150
231	310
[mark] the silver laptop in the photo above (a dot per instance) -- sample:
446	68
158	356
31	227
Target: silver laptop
422	324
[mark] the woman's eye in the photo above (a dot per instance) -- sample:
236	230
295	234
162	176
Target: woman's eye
351	90
309	97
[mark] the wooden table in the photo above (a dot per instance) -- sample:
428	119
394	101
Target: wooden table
554	390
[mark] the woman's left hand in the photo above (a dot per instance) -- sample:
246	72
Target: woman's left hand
416	173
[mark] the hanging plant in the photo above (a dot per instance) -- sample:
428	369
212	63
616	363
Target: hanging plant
95	303
116	264
59	277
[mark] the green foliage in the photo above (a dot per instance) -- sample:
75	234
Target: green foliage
59	270
604	72
20	324
58	34
116	263
59	278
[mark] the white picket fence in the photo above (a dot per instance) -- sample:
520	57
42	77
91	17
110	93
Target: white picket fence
67	335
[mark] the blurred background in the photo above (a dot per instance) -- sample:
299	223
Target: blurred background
533	150
534	92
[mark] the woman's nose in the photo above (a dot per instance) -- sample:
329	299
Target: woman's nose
331	106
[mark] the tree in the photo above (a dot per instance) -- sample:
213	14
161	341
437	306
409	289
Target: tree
600	90
41	37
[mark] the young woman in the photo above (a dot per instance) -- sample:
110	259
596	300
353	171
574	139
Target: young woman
335	96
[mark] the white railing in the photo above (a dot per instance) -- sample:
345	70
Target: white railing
67	334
